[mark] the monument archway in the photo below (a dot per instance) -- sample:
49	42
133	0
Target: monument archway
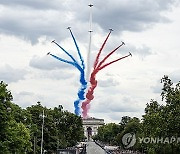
89	131
90	126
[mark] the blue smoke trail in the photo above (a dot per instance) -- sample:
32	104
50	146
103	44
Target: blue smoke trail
64	51
83	82
81	68
79	53
63	60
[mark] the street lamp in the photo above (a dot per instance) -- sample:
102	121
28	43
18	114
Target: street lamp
42	133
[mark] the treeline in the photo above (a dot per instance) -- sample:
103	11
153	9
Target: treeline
21	129
158	132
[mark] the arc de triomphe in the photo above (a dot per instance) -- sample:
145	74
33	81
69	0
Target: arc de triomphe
91	125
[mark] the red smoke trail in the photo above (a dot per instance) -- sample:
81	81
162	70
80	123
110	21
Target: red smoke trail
98	55
97	67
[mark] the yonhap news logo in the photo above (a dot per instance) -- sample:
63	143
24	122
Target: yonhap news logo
128	140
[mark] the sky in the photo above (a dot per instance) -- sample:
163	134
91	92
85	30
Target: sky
149	28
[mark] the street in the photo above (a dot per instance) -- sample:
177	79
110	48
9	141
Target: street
93	148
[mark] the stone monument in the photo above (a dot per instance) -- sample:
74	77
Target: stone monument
91	125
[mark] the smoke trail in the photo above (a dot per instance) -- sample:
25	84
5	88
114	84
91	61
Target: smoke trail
90	41
83	82
93	82
79	53
63	60
99	53
64	50
81	91
89	58
81	68
106	57
99	66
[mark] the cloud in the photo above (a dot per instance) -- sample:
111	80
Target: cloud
54	74
157	88
117	116
145	26
141	51
113	108
9	74
108	83
130	15
40	4
48	63
116	104
52	68
32	19
25	99
175	76
31	24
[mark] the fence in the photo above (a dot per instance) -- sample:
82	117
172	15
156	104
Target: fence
80	150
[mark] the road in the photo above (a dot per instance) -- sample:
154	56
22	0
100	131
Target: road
93	148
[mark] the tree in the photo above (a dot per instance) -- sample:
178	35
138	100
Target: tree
36	125
153	122
20	129
128	125
159	121
164	120
69	127
125	120
107	133
18	138
62	129
5	98
171	95
14	136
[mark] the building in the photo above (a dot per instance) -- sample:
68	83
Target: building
91	125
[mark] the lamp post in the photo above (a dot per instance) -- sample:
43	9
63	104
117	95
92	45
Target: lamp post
42	133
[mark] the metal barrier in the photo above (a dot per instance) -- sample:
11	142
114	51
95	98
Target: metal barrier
66	151
81	150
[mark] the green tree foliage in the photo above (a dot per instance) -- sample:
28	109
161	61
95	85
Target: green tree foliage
128	125
164	120
18	138
70	129
159	121
112	133
107	133
5	98
124	121
14	136
21	129
61	128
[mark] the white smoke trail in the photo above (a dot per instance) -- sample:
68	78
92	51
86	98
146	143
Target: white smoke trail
89	48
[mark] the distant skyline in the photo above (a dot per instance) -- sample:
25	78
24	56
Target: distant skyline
149	28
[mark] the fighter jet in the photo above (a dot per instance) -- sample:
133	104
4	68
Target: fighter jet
48	53
111	29
90	5
123	43
130	54
69	28
53	41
